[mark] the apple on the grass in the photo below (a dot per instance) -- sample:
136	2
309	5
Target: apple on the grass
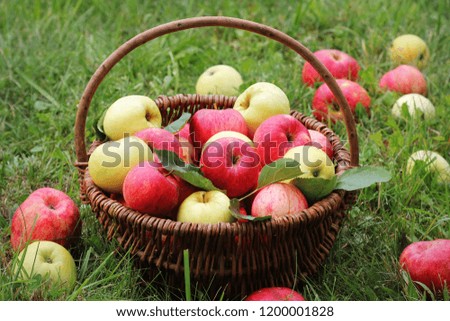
321	141
259	102
433	162
47	214
416	105
209	207
149	188
410	50
428	263
110	162
325	106
130	114
275	294
51	261
277	134
340	64
220	80
277	200
404	79
231	164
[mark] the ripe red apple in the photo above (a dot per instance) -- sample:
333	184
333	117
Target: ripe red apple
277	200
404	79
325	106
207	122
428	262
321	141
277	134
275	294
159	138
340	64
149	188
231	164
46	215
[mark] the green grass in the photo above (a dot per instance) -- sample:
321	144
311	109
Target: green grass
49	50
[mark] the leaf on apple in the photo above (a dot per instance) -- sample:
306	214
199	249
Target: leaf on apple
187	172
361	177
315	188
178	124
279	170
98	128
234	209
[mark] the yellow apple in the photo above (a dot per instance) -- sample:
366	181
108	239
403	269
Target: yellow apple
228	133
314	162
130	114
220	80
409	50
110	162
435	163
414	102
259	102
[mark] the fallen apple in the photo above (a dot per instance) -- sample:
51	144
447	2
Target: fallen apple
409	50
416	104
404	79
275	294
220	80
433	162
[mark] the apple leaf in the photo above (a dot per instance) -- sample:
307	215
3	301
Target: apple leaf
178	124
98	127
279	170
234	209
315	188
187	172
361	177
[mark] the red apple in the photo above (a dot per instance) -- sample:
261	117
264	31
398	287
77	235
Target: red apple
149	188
46	215
275	294
277	134
231	164
340	65
428	262
321	141
159	138
404	79
207	122
325	106
277	200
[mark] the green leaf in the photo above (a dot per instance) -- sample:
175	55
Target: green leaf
315	188
98	127
280	170
187	172
361	177
235	211
178	124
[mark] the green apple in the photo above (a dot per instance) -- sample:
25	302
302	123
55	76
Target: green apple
409	50
434	163
130	114
414	102
205	207
228	133
259	102
220	80
110	162
50	260
314	162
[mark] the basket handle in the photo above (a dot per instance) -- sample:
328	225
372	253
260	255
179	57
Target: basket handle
208	21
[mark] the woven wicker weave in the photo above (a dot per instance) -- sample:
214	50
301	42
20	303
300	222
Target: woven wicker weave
230	258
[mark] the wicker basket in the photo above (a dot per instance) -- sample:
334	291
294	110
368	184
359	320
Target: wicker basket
229	259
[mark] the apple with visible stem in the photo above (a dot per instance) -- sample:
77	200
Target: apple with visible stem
325	106
149	188
409	50
259	102
278	200
47	214
50	260
340	64
220	80
428	263
130	114
321	141
110	162
275	294
433	163
208	207
232	165
416	104
404	79
277	134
